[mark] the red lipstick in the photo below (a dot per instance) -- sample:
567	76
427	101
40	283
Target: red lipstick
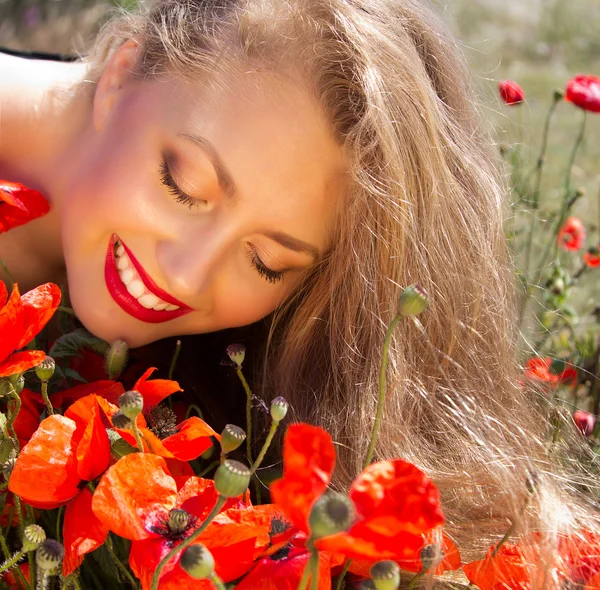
126	301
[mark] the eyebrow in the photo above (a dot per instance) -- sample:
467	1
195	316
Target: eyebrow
227	185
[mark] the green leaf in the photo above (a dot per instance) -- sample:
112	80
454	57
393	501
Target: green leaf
72	343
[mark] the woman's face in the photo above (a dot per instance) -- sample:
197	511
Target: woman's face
195	209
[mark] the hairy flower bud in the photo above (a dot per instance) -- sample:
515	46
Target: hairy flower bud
330	514
131	403
33	537
279	408
8	467
119	420
236	353
413	300
198	562
45	369
385	575
231	478
178	520
116	358
7	450
231	438
49	556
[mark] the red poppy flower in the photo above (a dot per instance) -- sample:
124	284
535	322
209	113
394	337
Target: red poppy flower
538	369
396	503
136	498
593	583
571	236
19	204
511	92
507	569
51	470
592	257
584	91
156	390
584	421
21	318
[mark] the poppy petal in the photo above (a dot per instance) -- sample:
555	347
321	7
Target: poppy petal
19	362
93	450
20	204
107	389
191	439
11	324
39	306
45	474
133	494
308	461
155	391
82	531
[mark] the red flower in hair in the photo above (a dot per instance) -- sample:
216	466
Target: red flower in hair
571	236
396	503
584	91
538	369
19	204
21	319
511	92
592	257
136	499
584	421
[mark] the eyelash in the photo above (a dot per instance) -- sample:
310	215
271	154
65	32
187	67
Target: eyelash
271	276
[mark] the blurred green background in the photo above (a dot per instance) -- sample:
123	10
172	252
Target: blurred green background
540	44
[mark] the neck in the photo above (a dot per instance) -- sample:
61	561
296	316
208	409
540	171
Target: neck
45	114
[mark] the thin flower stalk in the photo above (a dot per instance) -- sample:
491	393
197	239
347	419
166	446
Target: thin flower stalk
174	360
46	398
340	580
240	374
311	569
122	569
265	447
138	436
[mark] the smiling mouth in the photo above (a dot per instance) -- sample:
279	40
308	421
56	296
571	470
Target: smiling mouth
133	288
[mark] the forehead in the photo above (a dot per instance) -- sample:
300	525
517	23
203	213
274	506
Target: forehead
274	140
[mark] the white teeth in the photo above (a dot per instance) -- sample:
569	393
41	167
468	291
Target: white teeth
136	288
148	300
135	285
127	276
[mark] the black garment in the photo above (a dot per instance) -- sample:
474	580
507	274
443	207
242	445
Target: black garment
38	54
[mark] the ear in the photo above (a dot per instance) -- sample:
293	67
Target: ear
112	81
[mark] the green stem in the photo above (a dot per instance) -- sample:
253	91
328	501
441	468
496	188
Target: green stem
124	571
553	242
13	417
11	561
382	389
216	509
415	579
238	370
191	407
174	359
20	514
43	581
342	575
58	522
265	447
46	398
511	528
11	281
314	562
138	437
217	582
211	466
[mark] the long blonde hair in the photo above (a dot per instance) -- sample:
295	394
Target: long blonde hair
426	205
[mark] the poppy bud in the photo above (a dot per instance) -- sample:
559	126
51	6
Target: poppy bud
431	556
7	450
116	358
18	383
385	575
232	478
231	438
584	421
45	369
330	514
13	383
511	92
49	556
6	387
413	300
33	537
198	562
236	353
558	95
8	467
131	403
119	420
178	520
279	408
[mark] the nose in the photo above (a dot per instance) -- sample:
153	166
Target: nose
190	262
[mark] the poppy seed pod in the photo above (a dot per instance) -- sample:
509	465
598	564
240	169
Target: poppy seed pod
8	467
231	438
385	575
45	369
279	408
178	520
431	556
131	403
236	353
49	555
198	562
413	300
14	382
116	358
231	478
330	514
119	420
33	537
